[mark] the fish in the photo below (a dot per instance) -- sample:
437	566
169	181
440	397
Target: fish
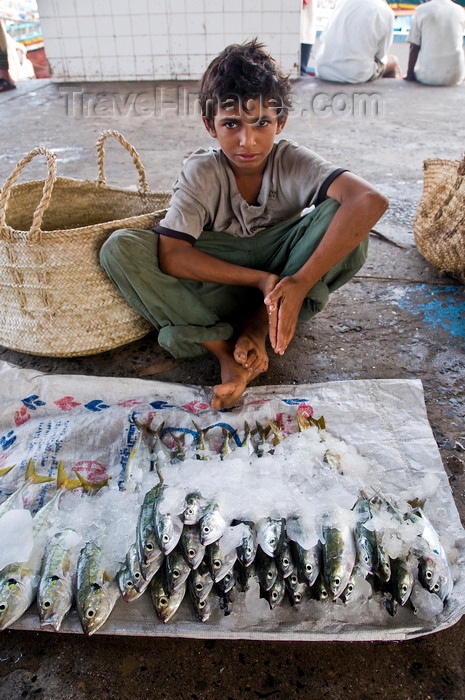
89	486
226	583
200	582
296	588
247	550
194	508
168	526
212	524
247	443
202	607
201	451
55	593
383	569
96	591
365	539
139	458
339	552
278	435
146	542
165	604
270	534
263	433
434	570
19	581
308	562
266	569
31	477
402	579
319	591
180	449
349	589
131	580
175	571
285	559
275	594
191	547
219	561
225	448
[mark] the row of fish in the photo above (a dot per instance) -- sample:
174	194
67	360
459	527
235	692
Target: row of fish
200	553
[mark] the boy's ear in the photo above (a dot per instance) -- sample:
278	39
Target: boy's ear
209	125
281	124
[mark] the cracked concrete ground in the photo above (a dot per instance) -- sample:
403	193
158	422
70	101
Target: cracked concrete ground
399	318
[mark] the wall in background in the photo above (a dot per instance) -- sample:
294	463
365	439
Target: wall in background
160	39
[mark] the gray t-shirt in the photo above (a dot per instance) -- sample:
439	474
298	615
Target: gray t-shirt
206	198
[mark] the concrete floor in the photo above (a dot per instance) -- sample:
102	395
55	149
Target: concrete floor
399	318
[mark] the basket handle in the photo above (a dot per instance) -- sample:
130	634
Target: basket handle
35	230
143	186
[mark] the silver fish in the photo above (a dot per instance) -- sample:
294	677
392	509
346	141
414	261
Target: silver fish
275	594
146	542
308	562
200	583
97	592
248	548
202	608
284	559
175	571
168	526
194	508
191	547
365	539
338	552
219	561
266	569
270	534
19	581
56	587
296	589
165	604
212	524
434	570
402	579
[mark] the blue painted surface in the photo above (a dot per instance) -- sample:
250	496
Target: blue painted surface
444	307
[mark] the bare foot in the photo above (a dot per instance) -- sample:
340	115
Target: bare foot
250	350
234	377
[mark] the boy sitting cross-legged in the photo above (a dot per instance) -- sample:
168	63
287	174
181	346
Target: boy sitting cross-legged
234	261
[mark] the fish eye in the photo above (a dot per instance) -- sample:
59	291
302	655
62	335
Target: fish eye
309	568
46	604
217	564
297	597
90	613
324	595
436	587
206	529
202	604
54	579
269	575
176	573
165	539
164	600
350	588
428	575
337	581
285	561
366	559
274	595
199	586
2	607
149	546
272	540
294	580
191	552
404	588
137	575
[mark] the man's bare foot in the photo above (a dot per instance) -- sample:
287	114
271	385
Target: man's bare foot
234	377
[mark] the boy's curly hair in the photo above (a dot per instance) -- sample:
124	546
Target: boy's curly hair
242	71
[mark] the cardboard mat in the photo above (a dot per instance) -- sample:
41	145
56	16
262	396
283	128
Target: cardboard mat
87	423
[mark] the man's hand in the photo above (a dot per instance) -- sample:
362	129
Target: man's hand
284	303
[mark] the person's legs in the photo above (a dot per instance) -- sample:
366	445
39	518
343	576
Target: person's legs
305	51
6	82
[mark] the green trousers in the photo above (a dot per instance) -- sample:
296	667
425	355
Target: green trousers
187	313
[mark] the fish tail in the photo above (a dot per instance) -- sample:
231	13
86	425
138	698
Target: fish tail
32	477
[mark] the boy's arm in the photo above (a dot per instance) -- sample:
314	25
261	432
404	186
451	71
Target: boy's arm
180	259
361	207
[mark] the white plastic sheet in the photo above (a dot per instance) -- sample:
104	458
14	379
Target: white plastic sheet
85	422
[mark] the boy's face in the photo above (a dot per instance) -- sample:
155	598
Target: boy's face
246	133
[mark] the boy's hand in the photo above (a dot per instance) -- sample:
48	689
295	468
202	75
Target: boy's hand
284	303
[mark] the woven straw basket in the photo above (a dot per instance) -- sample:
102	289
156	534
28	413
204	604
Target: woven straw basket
439	225
55	300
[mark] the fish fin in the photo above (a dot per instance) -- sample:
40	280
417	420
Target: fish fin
63	481
5	470
32	476
87	486
302	422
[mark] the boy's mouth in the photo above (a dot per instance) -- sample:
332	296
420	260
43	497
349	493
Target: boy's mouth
247	156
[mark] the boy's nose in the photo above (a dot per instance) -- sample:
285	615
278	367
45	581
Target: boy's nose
247	136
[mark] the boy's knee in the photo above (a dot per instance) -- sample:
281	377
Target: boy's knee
120	246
